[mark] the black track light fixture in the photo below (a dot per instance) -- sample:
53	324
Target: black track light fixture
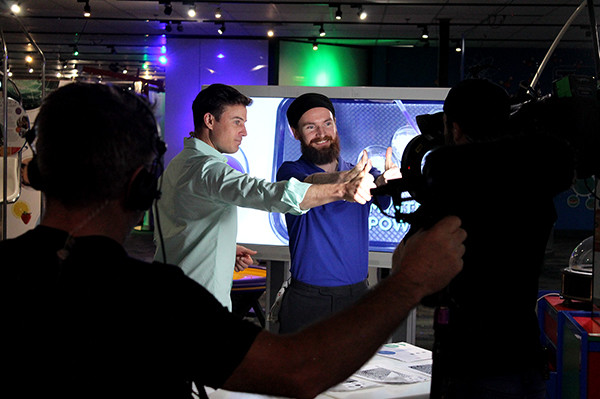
459	45
168	27
87	10
168	8
15	7
338	13
221	29
362	14
424	32
322	32
191	12
179	27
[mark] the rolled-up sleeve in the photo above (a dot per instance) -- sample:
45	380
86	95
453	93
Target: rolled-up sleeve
223	183
294	194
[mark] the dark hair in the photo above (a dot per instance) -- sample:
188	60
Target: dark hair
213	100
90	140
481	108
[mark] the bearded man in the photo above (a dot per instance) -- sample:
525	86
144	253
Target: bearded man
329	245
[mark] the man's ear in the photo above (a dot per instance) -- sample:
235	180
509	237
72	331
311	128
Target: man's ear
295	133
209	120
457	134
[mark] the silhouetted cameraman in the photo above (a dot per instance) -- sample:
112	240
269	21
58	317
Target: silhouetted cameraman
486	331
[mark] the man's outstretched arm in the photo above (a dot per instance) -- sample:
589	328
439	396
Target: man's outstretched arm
301	365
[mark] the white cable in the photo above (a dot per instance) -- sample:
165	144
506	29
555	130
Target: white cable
555	43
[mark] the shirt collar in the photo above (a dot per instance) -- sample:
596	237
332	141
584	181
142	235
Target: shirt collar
201	146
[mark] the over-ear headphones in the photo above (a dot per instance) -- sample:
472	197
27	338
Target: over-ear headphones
34	178
143	189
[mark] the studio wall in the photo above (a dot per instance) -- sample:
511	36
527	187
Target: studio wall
197	62
300	65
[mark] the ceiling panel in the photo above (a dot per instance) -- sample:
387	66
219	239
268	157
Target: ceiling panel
128	34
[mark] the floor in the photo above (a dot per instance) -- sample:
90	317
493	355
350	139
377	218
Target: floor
140	245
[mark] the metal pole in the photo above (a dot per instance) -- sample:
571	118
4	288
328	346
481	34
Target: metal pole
462	58
5	115
594	31
39	50
4	135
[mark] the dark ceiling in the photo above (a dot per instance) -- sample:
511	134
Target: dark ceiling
128	34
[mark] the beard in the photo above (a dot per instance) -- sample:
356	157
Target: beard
323	156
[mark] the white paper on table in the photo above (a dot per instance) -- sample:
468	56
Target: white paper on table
353	384
404	352
384	375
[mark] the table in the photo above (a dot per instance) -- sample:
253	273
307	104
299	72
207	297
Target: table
418	390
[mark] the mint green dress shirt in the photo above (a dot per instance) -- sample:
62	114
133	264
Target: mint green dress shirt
198	213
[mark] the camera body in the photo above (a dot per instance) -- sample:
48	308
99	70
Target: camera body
551	141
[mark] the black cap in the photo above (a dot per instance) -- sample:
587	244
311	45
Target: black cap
305	102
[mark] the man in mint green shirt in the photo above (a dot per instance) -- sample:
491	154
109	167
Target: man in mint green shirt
201	193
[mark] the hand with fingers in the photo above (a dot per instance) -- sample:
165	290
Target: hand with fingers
355	171
392	171
359	188
243	258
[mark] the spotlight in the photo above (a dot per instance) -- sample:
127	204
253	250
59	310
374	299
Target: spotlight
75	51
338	13
362	14
87	11
30	70
28	59
425	33
15	8
218	13
315	46
270	33
168	8
168	27
322	31
221	29
192	11
459	46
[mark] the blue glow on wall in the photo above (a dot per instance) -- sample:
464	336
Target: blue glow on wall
193	63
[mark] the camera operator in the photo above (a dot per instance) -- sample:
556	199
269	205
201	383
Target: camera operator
486	331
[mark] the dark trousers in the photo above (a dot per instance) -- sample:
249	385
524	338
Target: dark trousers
304	304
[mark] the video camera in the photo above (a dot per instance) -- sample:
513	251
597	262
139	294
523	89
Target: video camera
551	141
